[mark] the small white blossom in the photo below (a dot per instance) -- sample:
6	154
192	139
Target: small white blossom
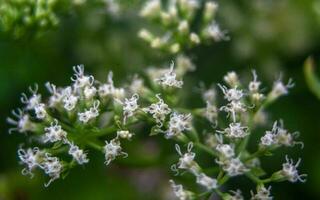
89	92
289	170
206	181
78	154
180	193
209	95
79	79
233	108
262	194
235	130
108	89
194	38
267	139
56	94
211	112
52	167
113	149
254	85
233	167
231	79
232	94
90	114
54	133
23	123
186	160
69	100
213	31
29	157
129	106
137	86
226	150
124	134
280	89
151	9
40	111
34	100
158	110
183	65
169	78
177	124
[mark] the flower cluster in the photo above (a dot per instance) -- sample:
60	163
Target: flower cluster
89	114
176	18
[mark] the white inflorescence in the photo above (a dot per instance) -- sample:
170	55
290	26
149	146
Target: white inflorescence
90	114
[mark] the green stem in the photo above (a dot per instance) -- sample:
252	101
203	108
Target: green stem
206	149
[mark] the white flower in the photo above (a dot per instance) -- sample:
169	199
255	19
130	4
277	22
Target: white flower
137	86
108	89
169	78
34	100
40	111
52	167
177	124
183	65
112	150
29	157
254	85
267	139
23	123
186	160
124	134
206	181
209	10
289	170
233	108
233	167
280	89
129	106
90	114
262	194
56	94
194	38
54	133
235	130
209	95
69	100
232	94
231	79
180	193
79	79
213	31
89	92
78	154
151	9
211	112
158	110
226	150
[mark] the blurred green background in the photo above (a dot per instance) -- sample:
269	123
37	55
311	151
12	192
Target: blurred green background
268	35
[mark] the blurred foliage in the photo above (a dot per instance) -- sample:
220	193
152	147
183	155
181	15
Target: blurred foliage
267	35
311	77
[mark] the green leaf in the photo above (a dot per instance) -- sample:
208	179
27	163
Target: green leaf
258	171
312	80
154	131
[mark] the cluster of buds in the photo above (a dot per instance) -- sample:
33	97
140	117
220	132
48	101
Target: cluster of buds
17	16
92	115
177	18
